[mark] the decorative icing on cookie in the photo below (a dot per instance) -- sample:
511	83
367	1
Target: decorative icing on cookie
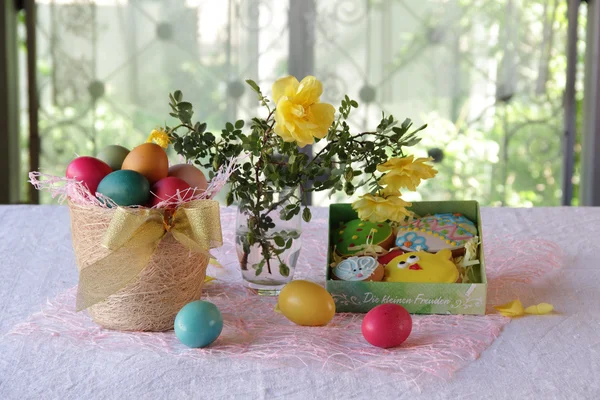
436	232
359	269
350	236
422	267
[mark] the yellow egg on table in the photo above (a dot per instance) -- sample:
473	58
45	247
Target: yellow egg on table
148	159
306	303
190	174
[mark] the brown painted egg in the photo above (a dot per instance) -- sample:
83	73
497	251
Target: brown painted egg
148	159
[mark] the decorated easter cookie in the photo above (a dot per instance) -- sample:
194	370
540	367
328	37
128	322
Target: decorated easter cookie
436	232
351	236
358	269
421	266
386	258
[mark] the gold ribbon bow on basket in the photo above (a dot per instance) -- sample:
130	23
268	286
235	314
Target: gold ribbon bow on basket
133	236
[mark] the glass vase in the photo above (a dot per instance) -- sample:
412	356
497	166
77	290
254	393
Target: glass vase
268	256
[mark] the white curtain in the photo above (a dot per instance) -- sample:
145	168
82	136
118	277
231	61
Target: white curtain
486	76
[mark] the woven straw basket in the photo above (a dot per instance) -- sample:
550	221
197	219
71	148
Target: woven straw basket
173	277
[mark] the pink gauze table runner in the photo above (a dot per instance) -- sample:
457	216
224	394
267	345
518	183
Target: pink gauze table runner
437	347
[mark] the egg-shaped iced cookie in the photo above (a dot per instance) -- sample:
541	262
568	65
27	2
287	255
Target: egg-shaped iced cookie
363	268
350	236
436	232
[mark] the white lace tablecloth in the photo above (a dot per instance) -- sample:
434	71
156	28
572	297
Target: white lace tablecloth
548	357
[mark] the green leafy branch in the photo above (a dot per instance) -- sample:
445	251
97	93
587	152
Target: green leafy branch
347	162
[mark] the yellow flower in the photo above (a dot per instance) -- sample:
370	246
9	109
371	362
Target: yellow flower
389	191
405	172
377	209
299	116
160	137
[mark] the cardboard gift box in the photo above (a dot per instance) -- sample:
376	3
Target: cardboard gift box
417	298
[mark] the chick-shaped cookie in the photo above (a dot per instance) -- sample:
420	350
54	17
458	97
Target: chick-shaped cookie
421	266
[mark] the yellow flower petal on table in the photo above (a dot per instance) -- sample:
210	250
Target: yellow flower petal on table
512	309
209	279
300	116
160	137
405	172
378	209
539	309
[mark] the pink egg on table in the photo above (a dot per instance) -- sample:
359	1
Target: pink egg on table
387	325
189	173
168	188
88	170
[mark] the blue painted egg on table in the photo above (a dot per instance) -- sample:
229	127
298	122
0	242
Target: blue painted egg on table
126	188
198	324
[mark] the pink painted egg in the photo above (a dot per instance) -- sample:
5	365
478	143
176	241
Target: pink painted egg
192	175
387	325
88	170
167	188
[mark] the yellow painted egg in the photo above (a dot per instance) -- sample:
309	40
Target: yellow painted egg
148	159
190	174
306	303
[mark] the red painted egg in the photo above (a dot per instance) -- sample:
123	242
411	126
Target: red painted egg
387	325
88	170
167	188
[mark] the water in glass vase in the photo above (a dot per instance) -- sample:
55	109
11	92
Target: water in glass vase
268	276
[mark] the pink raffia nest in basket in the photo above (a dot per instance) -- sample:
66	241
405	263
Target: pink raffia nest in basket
173	276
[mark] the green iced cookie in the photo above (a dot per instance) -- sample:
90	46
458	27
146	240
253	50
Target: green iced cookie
350	235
